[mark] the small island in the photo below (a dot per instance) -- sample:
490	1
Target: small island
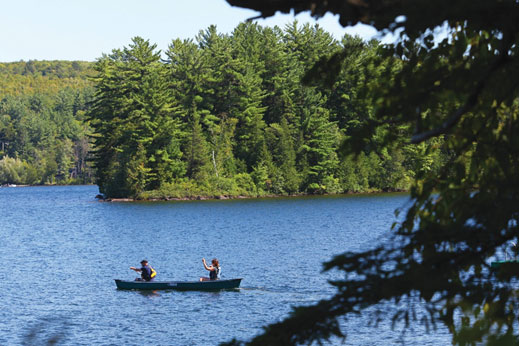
230	116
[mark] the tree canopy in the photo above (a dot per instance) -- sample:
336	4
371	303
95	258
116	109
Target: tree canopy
228	115
43	133
462	87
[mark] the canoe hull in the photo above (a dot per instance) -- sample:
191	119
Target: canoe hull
498	264
214	285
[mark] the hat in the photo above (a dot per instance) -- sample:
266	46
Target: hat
144	261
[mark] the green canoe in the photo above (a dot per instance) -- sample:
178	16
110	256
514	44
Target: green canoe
498	264
214	285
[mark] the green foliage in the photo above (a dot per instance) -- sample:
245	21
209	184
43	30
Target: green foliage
226	107
458	94
42	107
241	185
137	130
245	184
44	77
15	171
219	106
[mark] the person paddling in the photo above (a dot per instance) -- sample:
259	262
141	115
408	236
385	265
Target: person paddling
147	272
214	270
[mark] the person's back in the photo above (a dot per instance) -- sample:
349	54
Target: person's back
146	273
215	274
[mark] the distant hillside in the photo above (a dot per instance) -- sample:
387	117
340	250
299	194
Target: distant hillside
43	134
51	69
46	77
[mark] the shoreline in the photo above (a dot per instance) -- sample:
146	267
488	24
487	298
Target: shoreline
101	198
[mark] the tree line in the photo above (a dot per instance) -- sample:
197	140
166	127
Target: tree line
228	114
217	115
43	130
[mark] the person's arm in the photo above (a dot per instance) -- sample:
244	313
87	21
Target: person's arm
138	270
206	267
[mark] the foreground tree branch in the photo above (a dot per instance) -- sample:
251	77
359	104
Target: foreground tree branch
462	218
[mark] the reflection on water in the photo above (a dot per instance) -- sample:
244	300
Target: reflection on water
149	294
49	330
64	249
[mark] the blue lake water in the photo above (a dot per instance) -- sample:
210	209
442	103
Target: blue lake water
61	250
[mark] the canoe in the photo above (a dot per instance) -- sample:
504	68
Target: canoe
498	264
214	285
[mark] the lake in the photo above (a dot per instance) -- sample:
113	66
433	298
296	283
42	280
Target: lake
62	249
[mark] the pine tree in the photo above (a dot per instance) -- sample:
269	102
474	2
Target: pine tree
133	116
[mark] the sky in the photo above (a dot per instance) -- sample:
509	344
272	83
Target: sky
84	30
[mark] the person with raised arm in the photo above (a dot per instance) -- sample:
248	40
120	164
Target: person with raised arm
214	270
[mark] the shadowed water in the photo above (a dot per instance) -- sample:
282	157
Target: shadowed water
61	250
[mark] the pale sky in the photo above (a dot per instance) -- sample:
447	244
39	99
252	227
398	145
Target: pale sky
84	30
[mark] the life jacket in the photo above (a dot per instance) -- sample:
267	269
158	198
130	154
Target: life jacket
152	273
214	274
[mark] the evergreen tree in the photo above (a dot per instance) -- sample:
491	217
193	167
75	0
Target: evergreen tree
287	178
197	153
134	117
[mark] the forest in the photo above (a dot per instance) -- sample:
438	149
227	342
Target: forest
229	115
218	115
43	130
